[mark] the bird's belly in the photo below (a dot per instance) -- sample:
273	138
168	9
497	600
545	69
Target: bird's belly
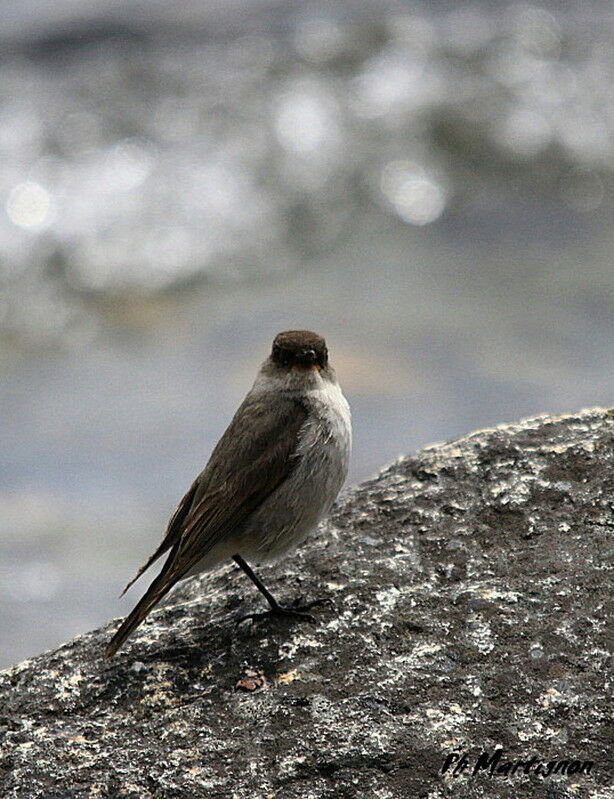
296	507
289	514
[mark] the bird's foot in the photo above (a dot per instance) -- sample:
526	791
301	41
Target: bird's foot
294	611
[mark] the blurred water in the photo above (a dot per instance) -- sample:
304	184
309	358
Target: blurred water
428	185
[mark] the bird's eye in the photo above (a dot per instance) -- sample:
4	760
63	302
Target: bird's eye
280	355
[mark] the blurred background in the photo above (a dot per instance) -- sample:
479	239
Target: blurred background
427	184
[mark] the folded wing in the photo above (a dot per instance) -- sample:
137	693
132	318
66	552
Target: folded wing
254	456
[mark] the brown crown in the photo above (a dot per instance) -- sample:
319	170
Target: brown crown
300	347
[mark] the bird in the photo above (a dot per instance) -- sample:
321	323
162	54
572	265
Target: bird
273	475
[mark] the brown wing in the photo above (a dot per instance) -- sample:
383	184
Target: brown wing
255	455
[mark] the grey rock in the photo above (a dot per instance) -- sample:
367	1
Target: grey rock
470	589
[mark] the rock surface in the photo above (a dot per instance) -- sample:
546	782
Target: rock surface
471	593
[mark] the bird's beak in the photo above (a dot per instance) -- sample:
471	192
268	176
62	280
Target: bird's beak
309	356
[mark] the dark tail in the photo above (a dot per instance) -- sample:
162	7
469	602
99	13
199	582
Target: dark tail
159	588
173	532
164	546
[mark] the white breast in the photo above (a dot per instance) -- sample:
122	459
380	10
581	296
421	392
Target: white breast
295	508
324	448
333	411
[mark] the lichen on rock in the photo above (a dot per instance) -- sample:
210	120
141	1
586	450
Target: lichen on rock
470	591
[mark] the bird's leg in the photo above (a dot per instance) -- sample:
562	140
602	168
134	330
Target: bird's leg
295	611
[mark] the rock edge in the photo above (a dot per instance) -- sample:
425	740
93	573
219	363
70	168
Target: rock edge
471	597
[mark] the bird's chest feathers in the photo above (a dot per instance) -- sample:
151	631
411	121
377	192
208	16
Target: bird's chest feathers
326	437
321	463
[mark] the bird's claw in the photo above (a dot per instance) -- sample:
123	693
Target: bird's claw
295	611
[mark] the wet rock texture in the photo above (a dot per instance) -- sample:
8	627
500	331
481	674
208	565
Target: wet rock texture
470	591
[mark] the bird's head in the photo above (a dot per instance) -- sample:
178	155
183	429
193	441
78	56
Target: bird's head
299	349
